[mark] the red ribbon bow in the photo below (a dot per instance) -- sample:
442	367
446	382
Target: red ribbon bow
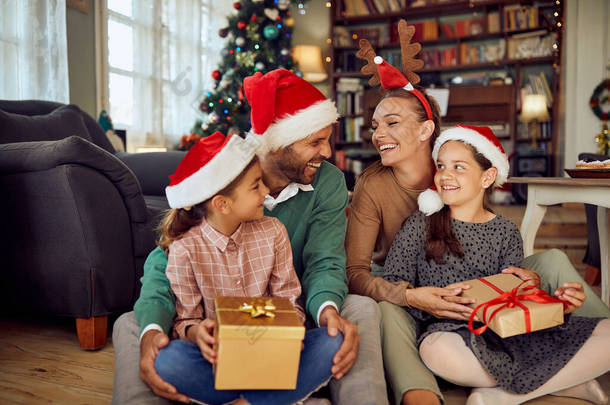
510	299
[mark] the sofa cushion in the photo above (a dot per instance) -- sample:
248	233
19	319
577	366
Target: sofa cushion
58	124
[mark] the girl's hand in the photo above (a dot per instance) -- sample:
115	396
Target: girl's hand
523	274
201	334
573	293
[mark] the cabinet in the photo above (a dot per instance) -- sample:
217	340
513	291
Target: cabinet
488	53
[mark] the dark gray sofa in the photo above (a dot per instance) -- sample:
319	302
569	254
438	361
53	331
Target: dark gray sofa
77	218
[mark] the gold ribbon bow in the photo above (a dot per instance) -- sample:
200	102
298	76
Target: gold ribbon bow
256	308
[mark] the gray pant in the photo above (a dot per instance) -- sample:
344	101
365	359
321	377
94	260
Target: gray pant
405	370
363	385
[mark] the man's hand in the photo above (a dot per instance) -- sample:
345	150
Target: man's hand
441	302
523	274
201	334
346	356
573	293
150	344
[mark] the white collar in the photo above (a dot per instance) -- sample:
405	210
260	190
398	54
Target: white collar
287	193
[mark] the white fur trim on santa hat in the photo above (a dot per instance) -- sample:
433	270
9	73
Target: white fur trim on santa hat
221	170
300	125
481	144
430	202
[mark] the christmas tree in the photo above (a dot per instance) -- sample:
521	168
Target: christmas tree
258	39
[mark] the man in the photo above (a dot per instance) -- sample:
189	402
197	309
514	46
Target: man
309	196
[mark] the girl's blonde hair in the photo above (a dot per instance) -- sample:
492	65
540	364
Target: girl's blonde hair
176	221
441	238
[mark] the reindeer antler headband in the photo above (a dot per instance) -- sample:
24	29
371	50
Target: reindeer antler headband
390	77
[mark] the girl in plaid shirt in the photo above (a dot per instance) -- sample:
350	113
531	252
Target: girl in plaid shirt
219	243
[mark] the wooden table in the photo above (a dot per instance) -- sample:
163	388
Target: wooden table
545	191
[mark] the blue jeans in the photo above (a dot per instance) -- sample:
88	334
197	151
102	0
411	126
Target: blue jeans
182	365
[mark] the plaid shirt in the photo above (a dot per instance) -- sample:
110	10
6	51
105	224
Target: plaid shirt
255	261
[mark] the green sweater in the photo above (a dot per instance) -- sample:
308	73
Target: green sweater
316	223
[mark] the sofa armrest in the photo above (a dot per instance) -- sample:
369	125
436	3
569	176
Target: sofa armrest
22	157
152	169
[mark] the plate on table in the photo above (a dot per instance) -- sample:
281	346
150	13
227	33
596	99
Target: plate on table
589	173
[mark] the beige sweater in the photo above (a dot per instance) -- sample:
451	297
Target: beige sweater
378	209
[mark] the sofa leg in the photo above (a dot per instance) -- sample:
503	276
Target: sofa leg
92	332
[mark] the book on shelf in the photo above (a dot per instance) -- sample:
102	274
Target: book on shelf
350	128
340	159
518	17
491	51
537	84
493	22
439	57
424	31
530	45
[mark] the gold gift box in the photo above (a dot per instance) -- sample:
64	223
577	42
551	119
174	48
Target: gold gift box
257	352
511	321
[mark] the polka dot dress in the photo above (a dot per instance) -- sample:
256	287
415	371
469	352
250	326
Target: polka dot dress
519	363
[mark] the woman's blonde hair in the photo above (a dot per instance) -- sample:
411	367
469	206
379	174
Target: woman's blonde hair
176	221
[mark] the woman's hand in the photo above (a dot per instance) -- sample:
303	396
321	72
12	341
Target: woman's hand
201	334
523	274
441	302
573	293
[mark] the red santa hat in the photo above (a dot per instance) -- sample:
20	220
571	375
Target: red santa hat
208	167
484	141
286	108
391	78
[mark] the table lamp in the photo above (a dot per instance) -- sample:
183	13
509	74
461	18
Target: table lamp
309	58
533	112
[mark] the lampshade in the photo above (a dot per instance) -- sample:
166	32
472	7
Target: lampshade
309	58
534	108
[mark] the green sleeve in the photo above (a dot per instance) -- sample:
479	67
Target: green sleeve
324	277
157	302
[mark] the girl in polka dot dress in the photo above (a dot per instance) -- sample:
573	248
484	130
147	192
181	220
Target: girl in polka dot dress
455	238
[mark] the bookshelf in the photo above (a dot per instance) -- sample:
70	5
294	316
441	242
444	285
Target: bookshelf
488	53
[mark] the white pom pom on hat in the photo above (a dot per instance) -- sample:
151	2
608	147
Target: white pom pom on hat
484	141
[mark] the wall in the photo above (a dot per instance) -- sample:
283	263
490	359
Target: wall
586	59
81	58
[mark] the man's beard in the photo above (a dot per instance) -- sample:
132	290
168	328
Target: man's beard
293	168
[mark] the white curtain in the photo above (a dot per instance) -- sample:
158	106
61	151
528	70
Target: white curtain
175	47
33	50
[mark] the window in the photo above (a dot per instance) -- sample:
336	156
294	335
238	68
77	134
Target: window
157	58
34	66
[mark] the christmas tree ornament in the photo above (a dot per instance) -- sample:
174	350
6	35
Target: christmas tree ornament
283	4
223	32
204	126
252	31
213	118
241	25
253	18
240	41
272	13
289	22
203	106
237	5
270	32
259	65
216	74
285	51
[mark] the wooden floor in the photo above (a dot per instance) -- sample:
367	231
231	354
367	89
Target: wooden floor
42	363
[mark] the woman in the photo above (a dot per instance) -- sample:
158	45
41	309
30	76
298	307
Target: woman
406	123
